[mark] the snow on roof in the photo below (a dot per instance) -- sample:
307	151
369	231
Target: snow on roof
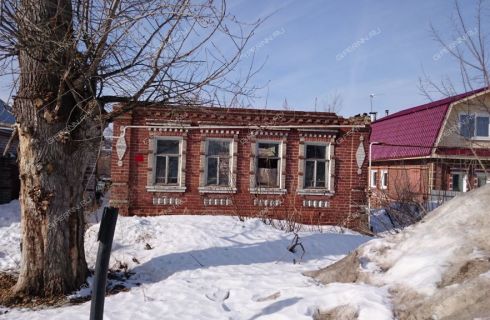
411	132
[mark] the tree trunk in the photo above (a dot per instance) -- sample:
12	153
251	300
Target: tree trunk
51	170
53	258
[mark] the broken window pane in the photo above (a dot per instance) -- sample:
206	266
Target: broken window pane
268	150
168	147
268	165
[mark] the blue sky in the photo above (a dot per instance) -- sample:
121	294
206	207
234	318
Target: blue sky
303	57
304	46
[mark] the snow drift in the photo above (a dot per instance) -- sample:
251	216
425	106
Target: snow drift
436	269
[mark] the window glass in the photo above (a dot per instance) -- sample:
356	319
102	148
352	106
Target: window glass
456	182
168	147
173	170
218	163
218	148
320	174
167	162
316	166
224	172
315	152
467	125
212	171
385	179
310	174
160	171
482	126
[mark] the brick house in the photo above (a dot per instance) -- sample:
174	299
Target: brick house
432	152
310	167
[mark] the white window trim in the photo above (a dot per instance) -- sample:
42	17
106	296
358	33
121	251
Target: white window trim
328	189
373	183
475	115
384	183
464	176
152	160
231	188
254	189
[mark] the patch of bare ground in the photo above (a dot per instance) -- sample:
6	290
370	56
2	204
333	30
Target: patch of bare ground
9	300
344	270
344	312
116	284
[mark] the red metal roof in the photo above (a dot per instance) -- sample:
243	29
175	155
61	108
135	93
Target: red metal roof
412	132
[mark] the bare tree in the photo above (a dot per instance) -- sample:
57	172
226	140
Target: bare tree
70	60
333	103
468	44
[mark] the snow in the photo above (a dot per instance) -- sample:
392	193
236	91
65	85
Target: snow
212	267
419	256
10	236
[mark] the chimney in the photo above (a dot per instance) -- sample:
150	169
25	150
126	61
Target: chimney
387	112
372	115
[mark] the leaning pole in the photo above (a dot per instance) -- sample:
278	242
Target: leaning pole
105	237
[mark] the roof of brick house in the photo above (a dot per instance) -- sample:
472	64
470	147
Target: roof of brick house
412	132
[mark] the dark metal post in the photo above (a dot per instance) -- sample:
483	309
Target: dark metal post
105	237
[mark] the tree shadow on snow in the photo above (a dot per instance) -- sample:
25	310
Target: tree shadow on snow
317	246
276	307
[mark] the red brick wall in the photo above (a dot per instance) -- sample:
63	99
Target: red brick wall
345	207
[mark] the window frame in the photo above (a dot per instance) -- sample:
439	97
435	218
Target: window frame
152	186
475	116
373	180
167	163
483	175
279	163
463	181
384	179
316	160
230	164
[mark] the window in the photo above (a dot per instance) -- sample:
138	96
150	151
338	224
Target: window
167	158
474	125
467	125
268	165
218	163
374	178
384	179
481	179
459	182
316	166
482	126
456	182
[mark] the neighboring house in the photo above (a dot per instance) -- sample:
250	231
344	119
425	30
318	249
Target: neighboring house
9	171
309	167
432	152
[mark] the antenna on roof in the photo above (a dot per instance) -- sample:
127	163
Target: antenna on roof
316	99
371	97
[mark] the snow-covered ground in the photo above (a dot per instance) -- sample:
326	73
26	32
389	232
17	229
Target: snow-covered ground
211	267
435	269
